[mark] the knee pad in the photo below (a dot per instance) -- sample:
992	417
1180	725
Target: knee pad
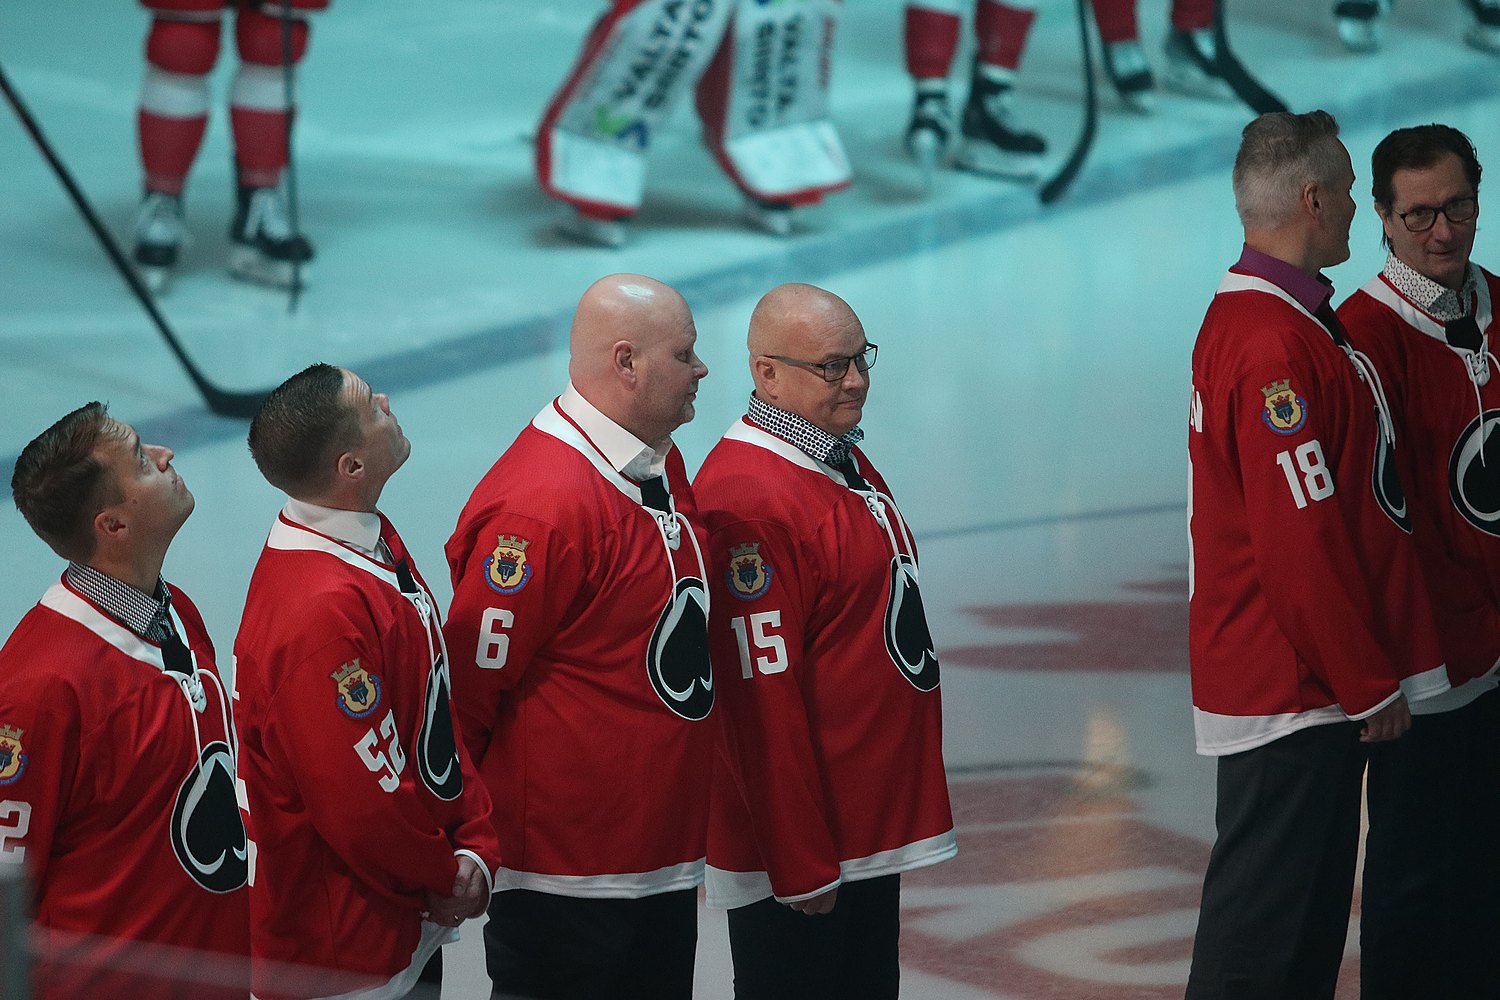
258	38
189	48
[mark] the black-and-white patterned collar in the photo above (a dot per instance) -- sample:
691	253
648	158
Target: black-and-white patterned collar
1441	302
803	433
144	614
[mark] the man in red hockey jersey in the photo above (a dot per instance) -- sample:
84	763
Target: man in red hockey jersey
371	830
181	48
117	749
830	782
1308	627
1429	920
581	670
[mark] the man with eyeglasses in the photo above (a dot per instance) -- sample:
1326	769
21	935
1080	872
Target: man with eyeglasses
1432	874
830	781
1308	630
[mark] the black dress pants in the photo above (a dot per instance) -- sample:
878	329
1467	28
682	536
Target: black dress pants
1276	896
1430	922
548	947
852	953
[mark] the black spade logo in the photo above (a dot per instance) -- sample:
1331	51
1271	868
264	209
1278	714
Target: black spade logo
677	656
907	637
208	836
1474	473
1386	482
437	749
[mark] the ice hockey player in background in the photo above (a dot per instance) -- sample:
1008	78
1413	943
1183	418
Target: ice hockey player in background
181	49
991	141
762	73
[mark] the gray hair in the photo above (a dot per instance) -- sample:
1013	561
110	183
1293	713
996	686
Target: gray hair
1281	153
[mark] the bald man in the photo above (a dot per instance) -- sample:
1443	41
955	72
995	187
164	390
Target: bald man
578	632
830	780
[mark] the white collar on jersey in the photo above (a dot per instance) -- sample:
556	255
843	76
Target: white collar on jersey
358	529
626	453
744	431
1382	290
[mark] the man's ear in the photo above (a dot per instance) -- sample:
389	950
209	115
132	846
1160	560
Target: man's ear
623	357
350	466
109	525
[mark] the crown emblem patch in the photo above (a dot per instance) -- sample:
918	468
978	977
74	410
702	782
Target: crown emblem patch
749	575
12	754
1285	411
359	690
507	569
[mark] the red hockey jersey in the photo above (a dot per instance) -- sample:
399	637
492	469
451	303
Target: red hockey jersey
1444	417
117	796
1306	604
581	672
831	767
358	795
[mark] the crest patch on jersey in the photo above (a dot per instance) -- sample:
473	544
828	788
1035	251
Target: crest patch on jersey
359	690
749	575
12	754
1285	411
1473	474
507	569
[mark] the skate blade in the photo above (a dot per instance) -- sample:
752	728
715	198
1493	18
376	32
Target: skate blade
992	162
157	279
926	148
1194	84
771	221
247	264
607	233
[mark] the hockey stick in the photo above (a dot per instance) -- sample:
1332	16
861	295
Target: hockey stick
288	85
220	401
1058	185
1246	87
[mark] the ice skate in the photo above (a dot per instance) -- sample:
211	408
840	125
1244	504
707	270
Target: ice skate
1361	23
991	144
1126	65
773	218
930	133
262	246
1192	66
159	238
591	230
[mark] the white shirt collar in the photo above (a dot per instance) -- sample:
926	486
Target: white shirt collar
358	529
625	452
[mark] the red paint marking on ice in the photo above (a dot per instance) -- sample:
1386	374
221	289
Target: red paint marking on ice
1122	636
1018	833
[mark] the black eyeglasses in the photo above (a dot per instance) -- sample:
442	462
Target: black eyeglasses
833	371
1421	218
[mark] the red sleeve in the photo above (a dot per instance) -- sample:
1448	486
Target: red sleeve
471	828
40	734
361	791
1305	491
514	580
757	634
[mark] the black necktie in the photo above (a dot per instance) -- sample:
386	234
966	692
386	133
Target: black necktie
404	579
1330	319
851	474
1463	333
174	654
654	494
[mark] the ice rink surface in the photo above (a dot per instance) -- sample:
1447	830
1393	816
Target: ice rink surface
1028	408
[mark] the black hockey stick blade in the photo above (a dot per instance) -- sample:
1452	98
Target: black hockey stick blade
1246	87
1063	179
220	401
289	83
